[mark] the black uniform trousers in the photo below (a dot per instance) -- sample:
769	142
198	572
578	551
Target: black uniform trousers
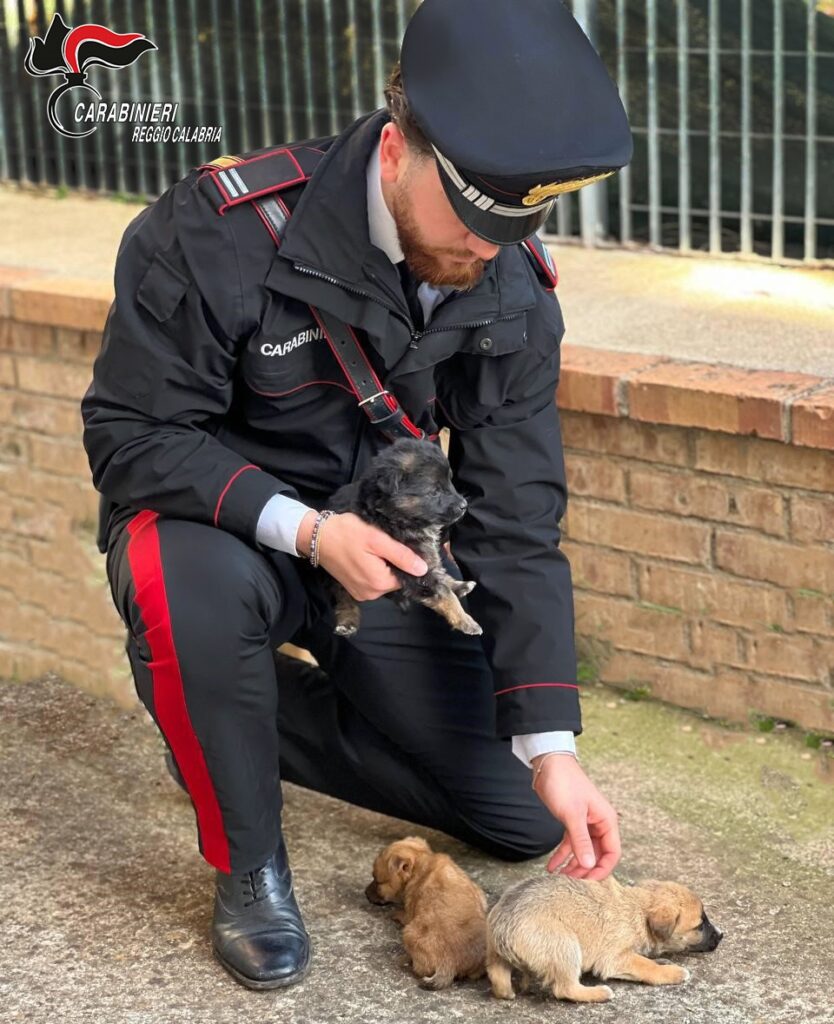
399	718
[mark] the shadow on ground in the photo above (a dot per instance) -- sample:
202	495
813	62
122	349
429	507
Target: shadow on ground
107	904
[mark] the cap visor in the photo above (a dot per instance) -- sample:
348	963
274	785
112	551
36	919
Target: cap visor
492	227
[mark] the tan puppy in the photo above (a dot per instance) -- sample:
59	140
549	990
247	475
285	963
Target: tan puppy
554	928
443	911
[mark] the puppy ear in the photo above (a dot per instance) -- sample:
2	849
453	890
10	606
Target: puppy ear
403	865
663	915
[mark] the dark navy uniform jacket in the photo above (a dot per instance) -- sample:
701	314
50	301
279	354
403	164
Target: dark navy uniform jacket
214	390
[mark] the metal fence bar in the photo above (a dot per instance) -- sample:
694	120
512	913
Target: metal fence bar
622	78
309	95
653	120
590	209
714	128
684	170
746	238
376	45
810	239
777	245
354	57
331	68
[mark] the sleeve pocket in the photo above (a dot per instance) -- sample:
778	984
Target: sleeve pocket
161	289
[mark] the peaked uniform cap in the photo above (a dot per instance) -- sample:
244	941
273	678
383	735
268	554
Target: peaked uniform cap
517	105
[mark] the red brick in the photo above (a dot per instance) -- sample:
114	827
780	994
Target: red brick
55	416
727	398
591	378
627	625
595	477
8	376
62	302
88	604
69	344
595	569
14	447
714	595
787	654
31	339
812	519
613	436
686	494
812	420
9	277
765	461
665	680
67	557
51	377
813	613
77	499
787	565
728	694
24	663
714	645
66	459
639	532
35	519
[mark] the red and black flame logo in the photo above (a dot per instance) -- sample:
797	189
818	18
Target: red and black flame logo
71	51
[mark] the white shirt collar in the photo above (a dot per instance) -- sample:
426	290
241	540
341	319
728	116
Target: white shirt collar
382	227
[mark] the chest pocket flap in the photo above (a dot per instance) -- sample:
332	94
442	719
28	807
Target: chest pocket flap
161	289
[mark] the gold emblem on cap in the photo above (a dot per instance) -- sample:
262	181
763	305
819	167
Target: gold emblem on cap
224	161
539	193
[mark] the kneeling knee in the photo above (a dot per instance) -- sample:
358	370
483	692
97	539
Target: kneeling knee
521	845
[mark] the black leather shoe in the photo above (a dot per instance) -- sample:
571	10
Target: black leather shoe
257	933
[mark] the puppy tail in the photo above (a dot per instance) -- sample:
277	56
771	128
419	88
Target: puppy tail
442	978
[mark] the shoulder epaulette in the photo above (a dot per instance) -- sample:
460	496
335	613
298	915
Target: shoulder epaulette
542	261
230	180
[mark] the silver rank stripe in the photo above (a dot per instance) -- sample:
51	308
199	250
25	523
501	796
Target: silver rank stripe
233	182
483	202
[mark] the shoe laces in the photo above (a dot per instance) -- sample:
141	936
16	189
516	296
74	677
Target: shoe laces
255	884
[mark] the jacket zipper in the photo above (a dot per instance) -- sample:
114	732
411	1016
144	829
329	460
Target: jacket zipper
416	335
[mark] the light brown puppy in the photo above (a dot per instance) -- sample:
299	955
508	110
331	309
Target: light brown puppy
443	911
553	928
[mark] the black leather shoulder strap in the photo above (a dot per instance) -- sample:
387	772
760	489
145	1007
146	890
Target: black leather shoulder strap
379	405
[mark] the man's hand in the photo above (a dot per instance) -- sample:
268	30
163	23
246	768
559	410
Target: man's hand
357	554
591	844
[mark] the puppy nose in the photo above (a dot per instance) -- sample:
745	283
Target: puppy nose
463	505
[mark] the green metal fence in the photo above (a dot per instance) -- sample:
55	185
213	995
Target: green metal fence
731	104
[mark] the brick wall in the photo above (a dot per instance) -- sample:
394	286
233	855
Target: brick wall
700	523
700	530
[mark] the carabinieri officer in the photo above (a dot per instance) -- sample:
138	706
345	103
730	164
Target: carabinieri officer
223	413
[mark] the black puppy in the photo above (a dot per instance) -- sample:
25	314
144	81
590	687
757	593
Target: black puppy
407	491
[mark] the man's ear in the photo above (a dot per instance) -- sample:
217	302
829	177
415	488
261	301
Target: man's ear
393	153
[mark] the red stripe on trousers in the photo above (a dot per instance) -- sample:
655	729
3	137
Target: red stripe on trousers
145	563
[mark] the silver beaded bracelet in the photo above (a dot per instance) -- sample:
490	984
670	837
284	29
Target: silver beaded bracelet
314	538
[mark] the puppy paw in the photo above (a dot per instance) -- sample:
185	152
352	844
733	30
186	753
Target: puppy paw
470	627
674	975
345	630
606	993
466	587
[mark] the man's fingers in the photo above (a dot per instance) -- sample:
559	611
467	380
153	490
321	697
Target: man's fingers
580	841
398	554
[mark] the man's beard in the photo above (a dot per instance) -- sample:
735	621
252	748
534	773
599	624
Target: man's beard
427	264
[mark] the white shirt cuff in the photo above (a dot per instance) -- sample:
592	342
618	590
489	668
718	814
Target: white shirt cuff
530	744
278	523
